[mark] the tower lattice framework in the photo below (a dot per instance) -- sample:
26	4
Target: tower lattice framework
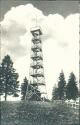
37	79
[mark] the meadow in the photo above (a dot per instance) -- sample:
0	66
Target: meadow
37	113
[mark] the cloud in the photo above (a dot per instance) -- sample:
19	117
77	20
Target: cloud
18	21
15	24
60	41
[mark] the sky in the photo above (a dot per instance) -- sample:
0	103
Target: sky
59	21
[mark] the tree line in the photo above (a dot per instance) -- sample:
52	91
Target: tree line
9	84
66	90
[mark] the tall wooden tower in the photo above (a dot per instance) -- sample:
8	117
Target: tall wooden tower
37	79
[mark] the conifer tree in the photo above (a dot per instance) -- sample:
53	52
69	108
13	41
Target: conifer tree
24	86
1	82
55	94
72	89
61	86
9	77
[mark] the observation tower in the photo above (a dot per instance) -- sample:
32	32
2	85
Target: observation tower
37	78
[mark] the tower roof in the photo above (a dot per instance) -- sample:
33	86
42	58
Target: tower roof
36	31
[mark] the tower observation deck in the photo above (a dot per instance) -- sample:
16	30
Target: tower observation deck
37	79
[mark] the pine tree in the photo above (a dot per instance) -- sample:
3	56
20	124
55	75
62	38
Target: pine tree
55	93
24	86
61	86
1	82
72	89
9	77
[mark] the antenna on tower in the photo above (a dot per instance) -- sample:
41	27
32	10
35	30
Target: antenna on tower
36	20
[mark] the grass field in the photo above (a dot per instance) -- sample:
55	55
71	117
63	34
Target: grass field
37	113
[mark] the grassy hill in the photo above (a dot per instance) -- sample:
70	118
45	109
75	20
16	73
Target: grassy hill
37	113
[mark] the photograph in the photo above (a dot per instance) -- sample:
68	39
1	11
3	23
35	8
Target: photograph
39	62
